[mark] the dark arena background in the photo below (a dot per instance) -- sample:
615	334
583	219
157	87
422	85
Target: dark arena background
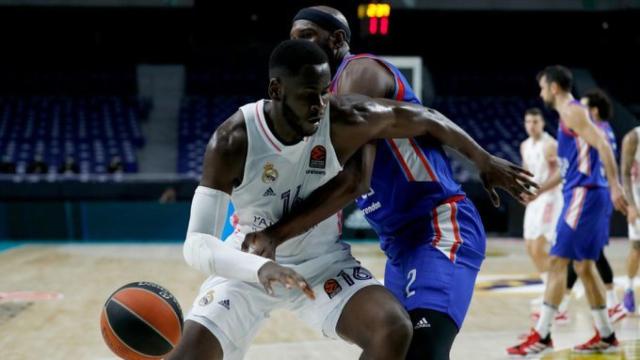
106	107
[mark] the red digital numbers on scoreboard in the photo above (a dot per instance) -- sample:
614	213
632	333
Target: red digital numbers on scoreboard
375	17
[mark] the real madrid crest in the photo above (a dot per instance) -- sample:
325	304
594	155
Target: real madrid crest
270	174
207	299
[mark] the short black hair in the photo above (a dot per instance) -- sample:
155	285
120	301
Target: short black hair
559	75
292	55
599	100
534	111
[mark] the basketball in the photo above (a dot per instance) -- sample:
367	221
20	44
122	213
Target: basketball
141	320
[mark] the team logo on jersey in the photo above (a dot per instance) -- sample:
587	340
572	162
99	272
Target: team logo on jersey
332	288
269	192
207	299
225	304
269	174
318	158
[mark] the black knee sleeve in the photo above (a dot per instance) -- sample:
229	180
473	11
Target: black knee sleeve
572	277
433	335
604	268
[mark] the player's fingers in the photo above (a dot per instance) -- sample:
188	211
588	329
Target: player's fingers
520	170
245	245
305	287
526	181
268	288
495	199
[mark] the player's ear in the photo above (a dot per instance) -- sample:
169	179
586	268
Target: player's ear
275	89
338	39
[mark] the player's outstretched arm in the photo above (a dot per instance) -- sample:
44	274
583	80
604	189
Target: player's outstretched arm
360	118
354	180
576	119
629	147
203	250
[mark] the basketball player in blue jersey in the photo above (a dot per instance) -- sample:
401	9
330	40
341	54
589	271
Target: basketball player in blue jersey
431	233
256	159
590	185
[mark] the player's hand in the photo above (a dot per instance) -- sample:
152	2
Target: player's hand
618	199
632	215
500	173
526	198
261	244
272	272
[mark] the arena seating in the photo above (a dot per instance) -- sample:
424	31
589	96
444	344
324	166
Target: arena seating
92	129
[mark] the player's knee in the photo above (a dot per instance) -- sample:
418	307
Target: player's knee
394	329
635	247
557	265
584	268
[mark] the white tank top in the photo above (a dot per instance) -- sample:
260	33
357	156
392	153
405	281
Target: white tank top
534	159
276	177
635	169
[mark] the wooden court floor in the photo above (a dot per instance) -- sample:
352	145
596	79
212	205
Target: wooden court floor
51	297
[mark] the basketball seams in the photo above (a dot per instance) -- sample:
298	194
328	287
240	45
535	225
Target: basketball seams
106	316
174	310
144	321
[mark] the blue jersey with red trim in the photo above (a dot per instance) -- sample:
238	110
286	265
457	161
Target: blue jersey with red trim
580	163
411	177
605	126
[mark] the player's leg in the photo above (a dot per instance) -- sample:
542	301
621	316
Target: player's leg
375	321
351	305
438	281
633	262
223	320
197	343
433	335
539	255
593	232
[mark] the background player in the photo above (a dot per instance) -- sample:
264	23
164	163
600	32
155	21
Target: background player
539	156
631	182
426	225
584	154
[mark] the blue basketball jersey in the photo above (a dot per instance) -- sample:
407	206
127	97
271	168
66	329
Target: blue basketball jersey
580	163
605	126
411	177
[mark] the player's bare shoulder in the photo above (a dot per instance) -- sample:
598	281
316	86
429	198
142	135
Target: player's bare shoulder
225	156
230	138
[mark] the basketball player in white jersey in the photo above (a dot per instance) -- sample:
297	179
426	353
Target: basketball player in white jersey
631	181
539	156
266	158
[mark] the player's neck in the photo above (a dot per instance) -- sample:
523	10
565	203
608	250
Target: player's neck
563	100
342	53
278	125
537	137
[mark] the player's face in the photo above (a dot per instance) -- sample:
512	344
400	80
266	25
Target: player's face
305	98
306	30
593	111
545	91
533	124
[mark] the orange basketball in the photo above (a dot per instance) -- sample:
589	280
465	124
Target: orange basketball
141	321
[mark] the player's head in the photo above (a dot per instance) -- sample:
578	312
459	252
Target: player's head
325	26
534	122
599	104
299	84
553	81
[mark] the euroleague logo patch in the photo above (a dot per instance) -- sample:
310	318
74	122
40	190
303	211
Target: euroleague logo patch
318	158
332	288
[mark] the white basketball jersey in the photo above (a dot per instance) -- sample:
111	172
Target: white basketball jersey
635	169
277	177
534	159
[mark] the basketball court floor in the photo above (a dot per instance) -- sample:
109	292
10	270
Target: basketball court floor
51	297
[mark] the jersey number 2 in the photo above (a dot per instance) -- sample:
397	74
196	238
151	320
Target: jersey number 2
411	276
